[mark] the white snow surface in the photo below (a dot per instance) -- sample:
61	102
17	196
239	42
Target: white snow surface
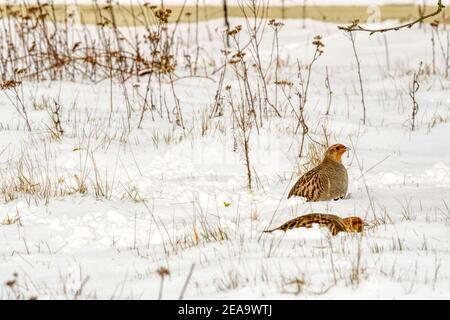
191	182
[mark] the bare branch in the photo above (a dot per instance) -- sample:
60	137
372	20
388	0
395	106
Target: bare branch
356	27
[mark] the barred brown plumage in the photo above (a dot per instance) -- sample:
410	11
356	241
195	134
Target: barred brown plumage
327	181
334	223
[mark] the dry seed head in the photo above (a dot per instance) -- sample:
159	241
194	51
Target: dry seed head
19	71
42	16
237	57
163	272
153	37
150	6
235	31
162	14
434	24
275	24
318	42
10	283
9	84
284	83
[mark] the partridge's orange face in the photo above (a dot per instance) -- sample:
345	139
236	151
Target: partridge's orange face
335	152
354	224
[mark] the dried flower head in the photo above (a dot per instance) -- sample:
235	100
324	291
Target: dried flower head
318	42
9	84
235	30
163	272
434	24
284	83
162	14
275	24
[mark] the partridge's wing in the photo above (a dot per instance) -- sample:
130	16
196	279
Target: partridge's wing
334	223
309	186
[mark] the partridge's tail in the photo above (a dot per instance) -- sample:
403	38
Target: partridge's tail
285	226
271	230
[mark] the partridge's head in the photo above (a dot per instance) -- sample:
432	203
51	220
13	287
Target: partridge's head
335	152
354	224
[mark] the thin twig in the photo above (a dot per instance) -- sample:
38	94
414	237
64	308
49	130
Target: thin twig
356	27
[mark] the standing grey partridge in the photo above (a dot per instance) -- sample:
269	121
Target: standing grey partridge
327	181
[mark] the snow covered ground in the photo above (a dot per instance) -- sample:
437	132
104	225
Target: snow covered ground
178	199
